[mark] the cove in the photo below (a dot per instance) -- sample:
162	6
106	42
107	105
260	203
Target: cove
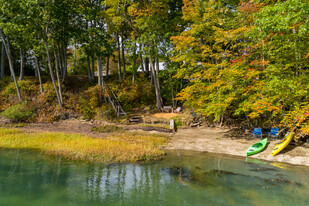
181	178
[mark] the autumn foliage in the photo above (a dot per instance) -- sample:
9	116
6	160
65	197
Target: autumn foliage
246	60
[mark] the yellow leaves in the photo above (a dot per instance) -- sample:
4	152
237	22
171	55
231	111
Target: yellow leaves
206	49
190	10
207	65
132	11
261	105
183	41
236	33
218	83
305	129
229	100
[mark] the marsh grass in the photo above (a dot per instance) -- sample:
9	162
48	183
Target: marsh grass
117	148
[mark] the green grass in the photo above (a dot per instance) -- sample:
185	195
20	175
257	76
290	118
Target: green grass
117	148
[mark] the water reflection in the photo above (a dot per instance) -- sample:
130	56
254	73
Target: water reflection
182	178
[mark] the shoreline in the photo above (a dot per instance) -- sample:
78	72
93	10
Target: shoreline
217	140
200	139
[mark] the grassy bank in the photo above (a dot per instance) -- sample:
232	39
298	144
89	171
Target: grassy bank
128	147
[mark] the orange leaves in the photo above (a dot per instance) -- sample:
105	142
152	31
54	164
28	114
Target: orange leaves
259	63
249	7
262	105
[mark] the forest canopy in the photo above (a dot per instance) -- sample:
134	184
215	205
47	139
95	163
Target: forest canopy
227	60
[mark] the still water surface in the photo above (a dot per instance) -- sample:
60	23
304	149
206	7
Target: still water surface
181	178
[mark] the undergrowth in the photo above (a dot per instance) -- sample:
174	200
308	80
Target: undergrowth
80	98
19	112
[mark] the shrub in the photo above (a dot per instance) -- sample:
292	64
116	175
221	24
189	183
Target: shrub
105	112
89	101
18	112
134	95
178	122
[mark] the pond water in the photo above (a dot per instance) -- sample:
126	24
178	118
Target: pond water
181	178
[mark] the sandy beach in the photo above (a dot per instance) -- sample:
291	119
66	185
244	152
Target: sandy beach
217	140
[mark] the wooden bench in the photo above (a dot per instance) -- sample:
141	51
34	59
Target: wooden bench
167	109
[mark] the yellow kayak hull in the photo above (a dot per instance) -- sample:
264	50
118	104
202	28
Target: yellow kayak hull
279	147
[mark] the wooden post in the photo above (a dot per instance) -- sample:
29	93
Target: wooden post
172	125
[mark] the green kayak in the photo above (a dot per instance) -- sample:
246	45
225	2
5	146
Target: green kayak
257	147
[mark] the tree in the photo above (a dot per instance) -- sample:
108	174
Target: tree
6	43
2	61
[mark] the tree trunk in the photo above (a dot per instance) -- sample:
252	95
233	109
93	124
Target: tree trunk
88	69
64	53
157	65
52	74
151	80
141	58
2	61
99	71
147	65
100	77
134	71
123	59
152	63
176	95
107	66
92	73
159	101
38	72
60	61
173	101
8	53
75	56
22	69
119	60
221	119
35	72
296	53
58	79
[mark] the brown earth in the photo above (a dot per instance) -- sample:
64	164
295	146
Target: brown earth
85	127
217	140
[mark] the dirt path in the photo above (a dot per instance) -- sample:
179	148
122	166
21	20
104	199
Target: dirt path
85	128
68	126
218	140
